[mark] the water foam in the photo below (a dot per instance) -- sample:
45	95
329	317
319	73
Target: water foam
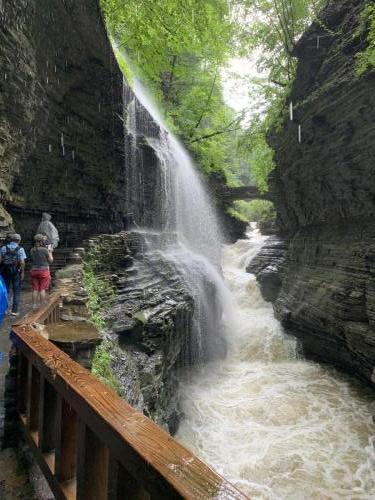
277	426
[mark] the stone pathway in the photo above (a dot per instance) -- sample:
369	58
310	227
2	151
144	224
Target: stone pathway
4	350
14	481
16	476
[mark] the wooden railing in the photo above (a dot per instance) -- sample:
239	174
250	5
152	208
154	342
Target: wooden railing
91	444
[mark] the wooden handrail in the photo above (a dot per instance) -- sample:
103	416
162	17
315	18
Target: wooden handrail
90	443
44	314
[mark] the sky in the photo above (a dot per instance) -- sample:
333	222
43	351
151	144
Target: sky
239	94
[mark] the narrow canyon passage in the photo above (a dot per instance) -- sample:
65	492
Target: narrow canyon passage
277	426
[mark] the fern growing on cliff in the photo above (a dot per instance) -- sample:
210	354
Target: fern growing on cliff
99	291
102	365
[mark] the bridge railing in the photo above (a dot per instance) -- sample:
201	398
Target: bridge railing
89	443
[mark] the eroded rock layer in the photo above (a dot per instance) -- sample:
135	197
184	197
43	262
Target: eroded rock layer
268	267
328	295
324	191
61	127
148	320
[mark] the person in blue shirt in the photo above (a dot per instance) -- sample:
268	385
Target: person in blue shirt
3	299
12	260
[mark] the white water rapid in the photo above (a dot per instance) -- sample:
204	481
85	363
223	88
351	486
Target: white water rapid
277	426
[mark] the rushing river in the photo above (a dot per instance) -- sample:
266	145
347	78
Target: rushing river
277	426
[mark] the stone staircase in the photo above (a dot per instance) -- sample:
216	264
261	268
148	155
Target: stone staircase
62	256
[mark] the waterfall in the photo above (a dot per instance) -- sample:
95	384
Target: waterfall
167	198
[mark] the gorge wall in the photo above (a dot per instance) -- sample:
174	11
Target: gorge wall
61	129
61	121
324	192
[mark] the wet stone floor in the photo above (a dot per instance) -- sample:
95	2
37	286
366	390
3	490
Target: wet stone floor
14	482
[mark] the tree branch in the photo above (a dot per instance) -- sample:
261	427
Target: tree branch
218	132
171	75
205	108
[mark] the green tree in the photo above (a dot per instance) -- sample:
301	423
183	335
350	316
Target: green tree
272	31
179	49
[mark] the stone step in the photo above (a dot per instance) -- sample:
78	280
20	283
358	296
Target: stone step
135	279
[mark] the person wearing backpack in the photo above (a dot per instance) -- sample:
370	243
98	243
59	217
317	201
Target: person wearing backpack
12	260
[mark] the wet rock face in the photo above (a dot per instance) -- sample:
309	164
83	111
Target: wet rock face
233	229
329	177
328	295
324	191
148	320
268	266
60	117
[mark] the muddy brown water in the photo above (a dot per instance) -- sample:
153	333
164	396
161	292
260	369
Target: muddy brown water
66	331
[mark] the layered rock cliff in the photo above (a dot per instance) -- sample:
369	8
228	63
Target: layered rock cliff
147	313
324	192
61	124
268	267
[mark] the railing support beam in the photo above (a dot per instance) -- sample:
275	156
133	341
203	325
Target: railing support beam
66	442
93	466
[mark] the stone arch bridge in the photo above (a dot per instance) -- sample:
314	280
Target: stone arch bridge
246	193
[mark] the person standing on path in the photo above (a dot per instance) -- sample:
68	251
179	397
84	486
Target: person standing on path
41	258
48	229
12	260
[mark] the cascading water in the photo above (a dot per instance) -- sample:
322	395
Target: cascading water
178	208
277	426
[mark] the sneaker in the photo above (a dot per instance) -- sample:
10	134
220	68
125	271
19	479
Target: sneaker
14	313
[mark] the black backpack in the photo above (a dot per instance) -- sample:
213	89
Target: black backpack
10	264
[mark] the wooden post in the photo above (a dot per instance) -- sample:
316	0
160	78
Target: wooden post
122	485
48	417
92	468
66	442
22	383
33	400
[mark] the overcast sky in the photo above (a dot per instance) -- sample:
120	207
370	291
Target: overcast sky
239	93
